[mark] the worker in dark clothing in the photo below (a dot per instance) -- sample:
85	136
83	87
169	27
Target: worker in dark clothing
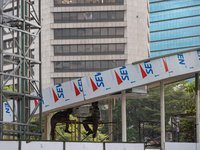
95	119
60	117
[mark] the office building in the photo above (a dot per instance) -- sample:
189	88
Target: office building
174	26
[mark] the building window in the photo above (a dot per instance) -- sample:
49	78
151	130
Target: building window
95	49
89	33
63	17
62	80
67	3
88	66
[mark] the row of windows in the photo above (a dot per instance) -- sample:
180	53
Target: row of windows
79	66
178	33
88	17
172	5
88	33
62	80
177	13
178	23
95	49
64	3
185	42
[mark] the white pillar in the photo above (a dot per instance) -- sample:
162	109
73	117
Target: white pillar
47	126
110	120
162	116
123	116
197	107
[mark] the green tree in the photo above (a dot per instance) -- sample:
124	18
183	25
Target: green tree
148	109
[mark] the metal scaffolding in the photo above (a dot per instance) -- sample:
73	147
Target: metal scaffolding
21	22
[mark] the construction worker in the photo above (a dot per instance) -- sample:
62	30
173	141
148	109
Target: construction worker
94	118
60	117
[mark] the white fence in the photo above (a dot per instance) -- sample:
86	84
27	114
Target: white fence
54	145
181	146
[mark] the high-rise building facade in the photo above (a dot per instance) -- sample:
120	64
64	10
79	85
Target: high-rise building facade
174	26
82	37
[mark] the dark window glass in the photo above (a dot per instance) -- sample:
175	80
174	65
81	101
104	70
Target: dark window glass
73	33
65	17
120	15
104	15
57	1
88	49
58	50
73	65
66	2
73	2
73	49
111	15
88	16
104	31
96	32
66	65
120	48
81	33
120	63
96	16
119	31
81	65
111	31
88	1
97	49
80	16
58	81
57	17
73	16
81	49
97	65
58	66
80	1
88	65
104	48
88	32
58	33
65	33
66	50
104	64
112	48
112	64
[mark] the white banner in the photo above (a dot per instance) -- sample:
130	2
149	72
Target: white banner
124	146
180	146
9	145
83	146
41	145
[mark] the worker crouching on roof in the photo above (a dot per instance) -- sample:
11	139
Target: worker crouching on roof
95	119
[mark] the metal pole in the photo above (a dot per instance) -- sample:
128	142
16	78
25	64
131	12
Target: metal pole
197	107
1	70
40	69
79	127
162	110
124	116
110	120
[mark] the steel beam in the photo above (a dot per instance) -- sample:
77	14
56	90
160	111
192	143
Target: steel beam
1	70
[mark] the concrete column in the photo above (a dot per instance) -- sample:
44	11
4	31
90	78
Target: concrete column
197	107
47	126
79	128
124	138
110	120
162	116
